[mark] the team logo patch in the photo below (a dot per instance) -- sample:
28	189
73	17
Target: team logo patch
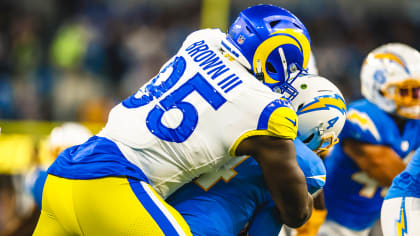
401	224
324	102
393	58
241	39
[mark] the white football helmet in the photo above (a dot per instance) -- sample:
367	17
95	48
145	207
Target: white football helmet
390	78
321	111
67	135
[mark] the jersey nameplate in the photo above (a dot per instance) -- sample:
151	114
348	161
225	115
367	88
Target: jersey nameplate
208	60
160	88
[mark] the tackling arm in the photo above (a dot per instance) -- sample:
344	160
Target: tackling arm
379	162
284	178
319	213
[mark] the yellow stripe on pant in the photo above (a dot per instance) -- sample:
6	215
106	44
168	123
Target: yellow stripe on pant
106	206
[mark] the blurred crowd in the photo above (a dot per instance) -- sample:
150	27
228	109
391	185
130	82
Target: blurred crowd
70	60
73	60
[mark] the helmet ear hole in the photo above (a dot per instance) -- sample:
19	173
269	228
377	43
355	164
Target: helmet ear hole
248	29
300	106
274	23
297	26
270	67
381	93
308	139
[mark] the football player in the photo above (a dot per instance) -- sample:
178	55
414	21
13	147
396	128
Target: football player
223	202
380	132
211	102
60	138
400	213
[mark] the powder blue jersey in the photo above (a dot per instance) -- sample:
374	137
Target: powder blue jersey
407	184
352	198
226	205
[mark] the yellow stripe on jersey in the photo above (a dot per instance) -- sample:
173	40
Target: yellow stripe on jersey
246	135
282	123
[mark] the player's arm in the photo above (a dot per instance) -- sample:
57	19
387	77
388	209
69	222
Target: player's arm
319	213
379	162
284	178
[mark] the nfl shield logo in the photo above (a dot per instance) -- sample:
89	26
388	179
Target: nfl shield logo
241	39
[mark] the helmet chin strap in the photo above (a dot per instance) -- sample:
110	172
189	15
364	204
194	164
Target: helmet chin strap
259	74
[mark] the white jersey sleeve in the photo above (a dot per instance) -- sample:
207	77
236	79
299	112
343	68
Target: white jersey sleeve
192	115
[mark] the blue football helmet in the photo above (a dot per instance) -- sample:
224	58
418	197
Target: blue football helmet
273	43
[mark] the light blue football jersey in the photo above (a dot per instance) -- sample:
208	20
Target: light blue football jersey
407	184
352	198
227	206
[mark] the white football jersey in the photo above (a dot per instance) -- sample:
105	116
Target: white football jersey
190	118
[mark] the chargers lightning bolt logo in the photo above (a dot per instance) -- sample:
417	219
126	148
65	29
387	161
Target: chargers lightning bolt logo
402	222
391	57
324	102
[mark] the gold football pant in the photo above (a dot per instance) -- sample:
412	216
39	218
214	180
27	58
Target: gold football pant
106	206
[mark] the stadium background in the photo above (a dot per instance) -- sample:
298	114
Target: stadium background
73	60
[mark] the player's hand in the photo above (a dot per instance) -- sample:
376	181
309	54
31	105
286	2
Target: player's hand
311	227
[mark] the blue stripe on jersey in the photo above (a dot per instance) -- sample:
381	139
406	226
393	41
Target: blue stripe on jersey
151	207
98	157
268	110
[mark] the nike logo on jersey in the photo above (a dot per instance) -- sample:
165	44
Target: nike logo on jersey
324	102
293	122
